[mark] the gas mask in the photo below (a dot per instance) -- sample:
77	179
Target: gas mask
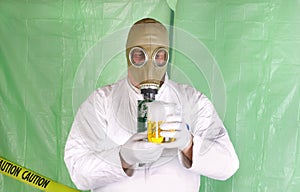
147	55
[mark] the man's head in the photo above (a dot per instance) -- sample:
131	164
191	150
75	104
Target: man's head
147	52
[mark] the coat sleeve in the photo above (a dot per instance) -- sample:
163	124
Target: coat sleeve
91	157
213	153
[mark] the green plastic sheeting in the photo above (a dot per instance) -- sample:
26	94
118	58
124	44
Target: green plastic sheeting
257	47
243	54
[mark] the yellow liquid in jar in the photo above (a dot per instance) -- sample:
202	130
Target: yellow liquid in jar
154	133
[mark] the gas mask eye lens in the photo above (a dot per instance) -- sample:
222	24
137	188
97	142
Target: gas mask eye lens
161	57
137	56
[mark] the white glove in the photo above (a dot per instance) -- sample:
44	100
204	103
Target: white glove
138	150
174	127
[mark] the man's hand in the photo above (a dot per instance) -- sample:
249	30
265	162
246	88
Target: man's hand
138	150
174	127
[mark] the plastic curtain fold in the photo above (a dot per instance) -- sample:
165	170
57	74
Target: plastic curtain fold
52	55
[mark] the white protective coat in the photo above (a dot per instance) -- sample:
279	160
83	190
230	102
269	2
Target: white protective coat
108	118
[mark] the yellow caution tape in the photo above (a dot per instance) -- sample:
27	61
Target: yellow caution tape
31	178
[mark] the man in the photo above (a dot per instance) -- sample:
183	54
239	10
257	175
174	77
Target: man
104	151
